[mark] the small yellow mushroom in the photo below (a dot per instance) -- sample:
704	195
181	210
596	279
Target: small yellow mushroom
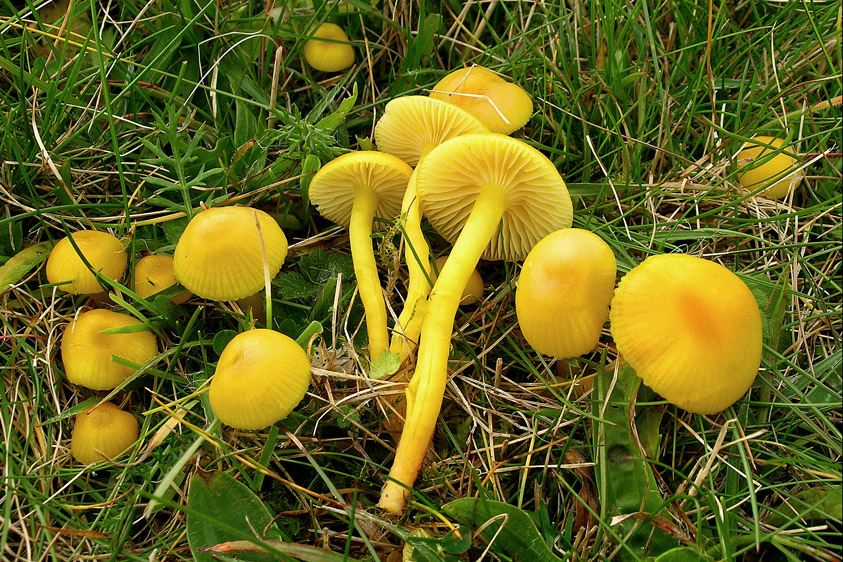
103	251
87	353
761	166
329	49
103	432
260	377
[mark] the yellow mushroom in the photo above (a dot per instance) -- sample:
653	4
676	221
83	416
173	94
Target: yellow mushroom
103	251
329	49
772	169
495	197
564	290
502	106
260	377
155	273
224	252
690	328
352	190
87	353
410	127
101	433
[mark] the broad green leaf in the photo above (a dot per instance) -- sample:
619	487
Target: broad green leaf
385	365
222	509
625	481
511	528
221	340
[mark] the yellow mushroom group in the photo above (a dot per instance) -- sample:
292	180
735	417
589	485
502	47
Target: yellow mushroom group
689	327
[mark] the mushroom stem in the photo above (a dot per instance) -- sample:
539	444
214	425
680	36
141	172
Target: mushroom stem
427	387
417	256
366	269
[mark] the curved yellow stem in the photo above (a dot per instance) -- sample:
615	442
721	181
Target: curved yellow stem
417	256
366	270
427	387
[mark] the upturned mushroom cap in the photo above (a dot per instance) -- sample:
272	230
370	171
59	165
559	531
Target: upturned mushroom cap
153	274
502	106
473	291
103	251
335	185
533	194
329	49
87	353
563	294
761	166
260	377
352	190
103	432
690	328
412	125
220	257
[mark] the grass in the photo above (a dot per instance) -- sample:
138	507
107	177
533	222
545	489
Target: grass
153	109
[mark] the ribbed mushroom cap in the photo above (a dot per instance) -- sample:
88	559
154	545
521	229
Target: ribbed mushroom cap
87	353
103	251
412	125
564	290
102	432
533	194
690	328
760	166
502	106
219	254
333	187
329	49
153	274
260	377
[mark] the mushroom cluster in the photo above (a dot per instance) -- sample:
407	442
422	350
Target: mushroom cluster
224	253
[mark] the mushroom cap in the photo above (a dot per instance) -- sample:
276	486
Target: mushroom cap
260	377
504	107
219	254
87	353
153	274
563	293
412	125
333	187
690	328
102	432
329	49
474	289
103	251
536	200
760	166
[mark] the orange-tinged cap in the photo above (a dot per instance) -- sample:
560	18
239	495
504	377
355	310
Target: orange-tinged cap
564	290
102	432
260	377
87	353
220	257
502	106
103	251
760	166
690	328
329	49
